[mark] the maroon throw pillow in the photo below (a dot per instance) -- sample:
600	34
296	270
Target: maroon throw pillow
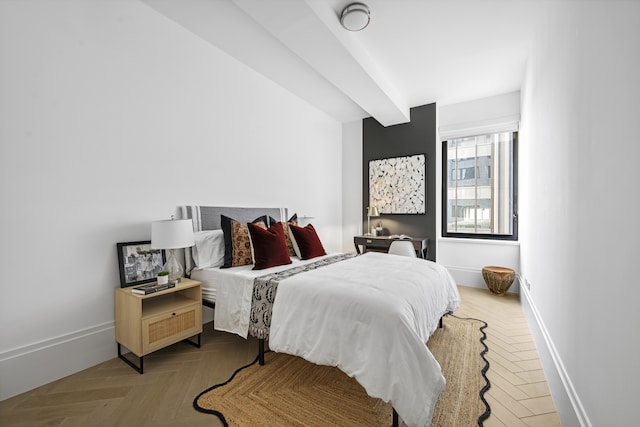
308	241
269	246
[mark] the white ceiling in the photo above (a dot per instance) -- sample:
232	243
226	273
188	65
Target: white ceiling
414	52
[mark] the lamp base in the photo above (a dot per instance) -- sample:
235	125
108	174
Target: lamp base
173	267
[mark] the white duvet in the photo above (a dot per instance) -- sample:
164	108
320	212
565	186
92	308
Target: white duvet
370	316
232	289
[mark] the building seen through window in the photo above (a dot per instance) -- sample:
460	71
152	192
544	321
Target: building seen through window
480	178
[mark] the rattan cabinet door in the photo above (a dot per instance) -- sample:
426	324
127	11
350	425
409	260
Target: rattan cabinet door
170	327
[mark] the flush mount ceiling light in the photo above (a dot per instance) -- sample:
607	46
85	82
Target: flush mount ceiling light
355	17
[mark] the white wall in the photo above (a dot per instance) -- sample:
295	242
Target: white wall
579	236
352	208
112	115
498	113
464	258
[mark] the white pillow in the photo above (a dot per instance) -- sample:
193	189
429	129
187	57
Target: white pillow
209	248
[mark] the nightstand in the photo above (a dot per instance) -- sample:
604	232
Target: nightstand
146	323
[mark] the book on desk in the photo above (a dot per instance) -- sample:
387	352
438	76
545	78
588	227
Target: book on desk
400	237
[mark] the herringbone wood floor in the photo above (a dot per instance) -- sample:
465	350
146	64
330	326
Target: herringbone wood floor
113	394
519	395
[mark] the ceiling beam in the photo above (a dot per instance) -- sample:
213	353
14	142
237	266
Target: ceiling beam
225	26
312	31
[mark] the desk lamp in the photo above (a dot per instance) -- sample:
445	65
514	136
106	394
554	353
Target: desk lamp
371	211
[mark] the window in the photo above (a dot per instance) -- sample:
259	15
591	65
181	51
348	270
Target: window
479	176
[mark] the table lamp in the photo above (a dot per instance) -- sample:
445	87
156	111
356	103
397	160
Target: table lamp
371	211
171	235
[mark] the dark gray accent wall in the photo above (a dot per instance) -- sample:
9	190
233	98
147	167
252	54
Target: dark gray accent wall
416	137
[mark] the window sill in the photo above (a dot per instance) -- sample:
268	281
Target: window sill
479	241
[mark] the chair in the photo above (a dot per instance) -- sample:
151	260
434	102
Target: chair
402	247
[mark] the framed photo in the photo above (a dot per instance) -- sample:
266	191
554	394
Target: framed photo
397	184
139	263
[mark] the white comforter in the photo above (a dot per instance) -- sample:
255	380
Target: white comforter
234	290
370	316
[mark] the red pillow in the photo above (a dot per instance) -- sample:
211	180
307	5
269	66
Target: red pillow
269	246
308	241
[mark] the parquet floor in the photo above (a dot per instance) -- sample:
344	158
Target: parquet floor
519	395
113	394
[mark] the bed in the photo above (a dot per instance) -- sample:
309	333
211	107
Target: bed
369	315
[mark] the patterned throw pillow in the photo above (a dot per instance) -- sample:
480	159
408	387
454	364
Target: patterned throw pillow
287	234
237	244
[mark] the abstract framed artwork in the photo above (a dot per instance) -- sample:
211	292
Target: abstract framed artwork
397	184
138	263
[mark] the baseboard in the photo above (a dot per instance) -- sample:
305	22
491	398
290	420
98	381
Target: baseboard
566	399
472	277
34	365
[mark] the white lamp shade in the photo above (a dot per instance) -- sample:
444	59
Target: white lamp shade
172	234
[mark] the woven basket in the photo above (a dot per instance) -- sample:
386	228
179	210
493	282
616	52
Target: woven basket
498	279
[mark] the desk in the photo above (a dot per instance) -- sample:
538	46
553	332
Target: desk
382	243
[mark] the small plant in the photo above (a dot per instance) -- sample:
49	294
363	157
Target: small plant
163	273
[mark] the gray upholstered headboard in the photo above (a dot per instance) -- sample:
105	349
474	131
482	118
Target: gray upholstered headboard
208	218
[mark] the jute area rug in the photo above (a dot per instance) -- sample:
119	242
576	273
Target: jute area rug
289	391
